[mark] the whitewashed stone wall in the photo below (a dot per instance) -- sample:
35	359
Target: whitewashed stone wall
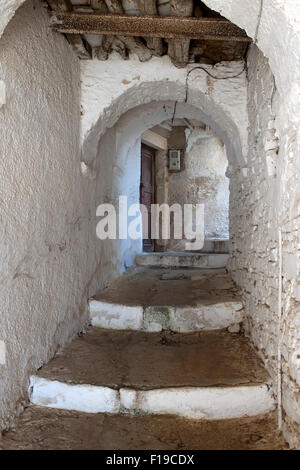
261	204
289	216
254	219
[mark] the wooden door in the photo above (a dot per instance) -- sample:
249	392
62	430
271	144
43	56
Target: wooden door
147	191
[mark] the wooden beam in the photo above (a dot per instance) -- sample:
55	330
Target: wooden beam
148	26
178	49
132	44
80	47
149	7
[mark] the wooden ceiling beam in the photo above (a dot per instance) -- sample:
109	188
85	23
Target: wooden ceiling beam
179	49
80	47
148	26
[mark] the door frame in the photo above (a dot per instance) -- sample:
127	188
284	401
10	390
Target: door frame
153	151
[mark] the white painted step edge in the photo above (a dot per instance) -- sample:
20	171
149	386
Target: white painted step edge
190	402
87	398
180	319
116	316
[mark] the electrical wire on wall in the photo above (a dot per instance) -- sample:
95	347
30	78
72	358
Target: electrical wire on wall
200	67
174	112
279	355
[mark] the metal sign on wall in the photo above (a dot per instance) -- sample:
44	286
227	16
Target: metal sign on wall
175	160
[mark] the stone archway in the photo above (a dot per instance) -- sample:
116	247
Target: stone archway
222	104
111	151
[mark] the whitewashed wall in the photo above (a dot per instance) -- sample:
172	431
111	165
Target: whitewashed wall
262	203
44	241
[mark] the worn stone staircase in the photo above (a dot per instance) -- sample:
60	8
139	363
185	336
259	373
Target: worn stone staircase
182	260
165	346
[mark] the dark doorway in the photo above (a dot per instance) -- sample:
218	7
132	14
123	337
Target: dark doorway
147	191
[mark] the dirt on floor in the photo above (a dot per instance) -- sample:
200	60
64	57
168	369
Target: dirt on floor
144	361
173	287
45	429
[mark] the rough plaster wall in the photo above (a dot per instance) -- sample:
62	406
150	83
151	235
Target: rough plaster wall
100	181
208	162
118	174
44	259
202	181
258	203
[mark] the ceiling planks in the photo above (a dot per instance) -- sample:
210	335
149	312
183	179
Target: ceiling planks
191	33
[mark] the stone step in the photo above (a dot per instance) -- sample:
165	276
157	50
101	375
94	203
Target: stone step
182	260
47	429
180	300
212	245
212	375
